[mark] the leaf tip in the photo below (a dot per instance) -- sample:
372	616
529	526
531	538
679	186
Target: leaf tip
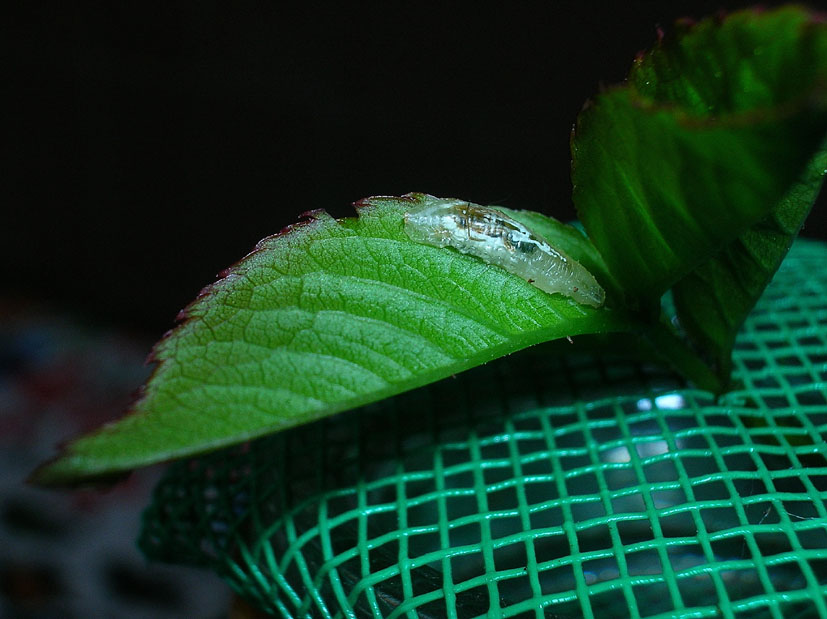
63	471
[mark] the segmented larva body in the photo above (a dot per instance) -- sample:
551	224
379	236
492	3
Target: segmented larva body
498	239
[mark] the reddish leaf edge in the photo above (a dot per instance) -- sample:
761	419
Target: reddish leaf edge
46	474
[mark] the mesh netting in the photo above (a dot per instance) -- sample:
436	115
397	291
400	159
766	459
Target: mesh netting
536	486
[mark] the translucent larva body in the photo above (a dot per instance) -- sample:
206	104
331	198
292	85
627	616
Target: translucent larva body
498	239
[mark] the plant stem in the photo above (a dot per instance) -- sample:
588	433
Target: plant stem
677	353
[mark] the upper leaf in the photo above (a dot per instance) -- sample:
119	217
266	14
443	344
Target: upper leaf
712	129
326	316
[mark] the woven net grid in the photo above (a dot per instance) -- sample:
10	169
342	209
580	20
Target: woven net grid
539	485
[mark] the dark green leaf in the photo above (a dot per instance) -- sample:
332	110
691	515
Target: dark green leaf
713	301
713	128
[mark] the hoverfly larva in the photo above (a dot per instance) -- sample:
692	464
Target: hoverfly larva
498	239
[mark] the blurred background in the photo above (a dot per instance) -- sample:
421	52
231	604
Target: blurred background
149	145
152	144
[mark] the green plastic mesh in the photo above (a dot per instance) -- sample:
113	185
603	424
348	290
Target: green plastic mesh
540	485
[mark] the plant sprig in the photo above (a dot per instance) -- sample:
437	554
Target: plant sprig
693	176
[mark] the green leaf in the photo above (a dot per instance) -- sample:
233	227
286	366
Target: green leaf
713	301
712	129
326	316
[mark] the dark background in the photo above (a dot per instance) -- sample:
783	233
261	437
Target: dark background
152	144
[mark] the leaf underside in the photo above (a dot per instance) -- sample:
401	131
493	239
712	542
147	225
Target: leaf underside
705	139
713	301
709	160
